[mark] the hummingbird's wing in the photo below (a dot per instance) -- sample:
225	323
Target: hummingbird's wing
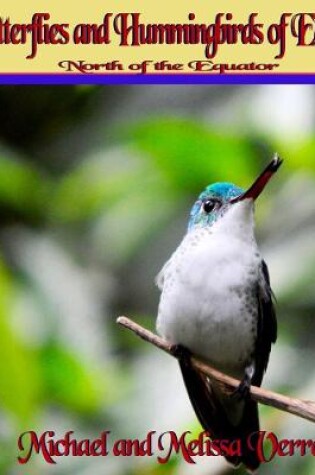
267	325
160	278
208	408
213	409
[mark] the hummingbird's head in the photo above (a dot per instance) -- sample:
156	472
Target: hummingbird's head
218	198
212	203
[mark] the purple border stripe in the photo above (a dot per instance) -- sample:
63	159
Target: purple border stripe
157	78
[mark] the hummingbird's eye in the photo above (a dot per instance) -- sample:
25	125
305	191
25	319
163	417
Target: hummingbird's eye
209	205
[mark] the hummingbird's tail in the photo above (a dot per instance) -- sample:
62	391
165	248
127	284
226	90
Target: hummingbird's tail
215	420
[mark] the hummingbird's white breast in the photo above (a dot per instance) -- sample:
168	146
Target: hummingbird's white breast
209	291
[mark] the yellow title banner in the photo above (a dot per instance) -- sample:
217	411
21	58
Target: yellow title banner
146	37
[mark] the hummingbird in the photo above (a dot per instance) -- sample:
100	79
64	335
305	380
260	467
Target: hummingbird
216	303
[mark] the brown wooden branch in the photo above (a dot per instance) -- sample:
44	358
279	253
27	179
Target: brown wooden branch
299	407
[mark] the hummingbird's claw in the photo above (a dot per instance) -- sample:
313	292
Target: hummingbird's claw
242	390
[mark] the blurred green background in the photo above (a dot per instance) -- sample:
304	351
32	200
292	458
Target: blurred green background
96	184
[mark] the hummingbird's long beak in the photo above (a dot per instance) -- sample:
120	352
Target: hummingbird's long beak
259	184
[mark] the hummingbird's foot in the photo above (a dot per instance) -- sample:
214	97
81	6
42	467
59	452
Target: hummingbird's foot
181	353
243	389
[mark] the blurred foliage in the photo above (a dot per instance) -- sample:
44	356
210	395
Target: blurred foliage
32	115
23	190
66	381
78	238
180	150
18	371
